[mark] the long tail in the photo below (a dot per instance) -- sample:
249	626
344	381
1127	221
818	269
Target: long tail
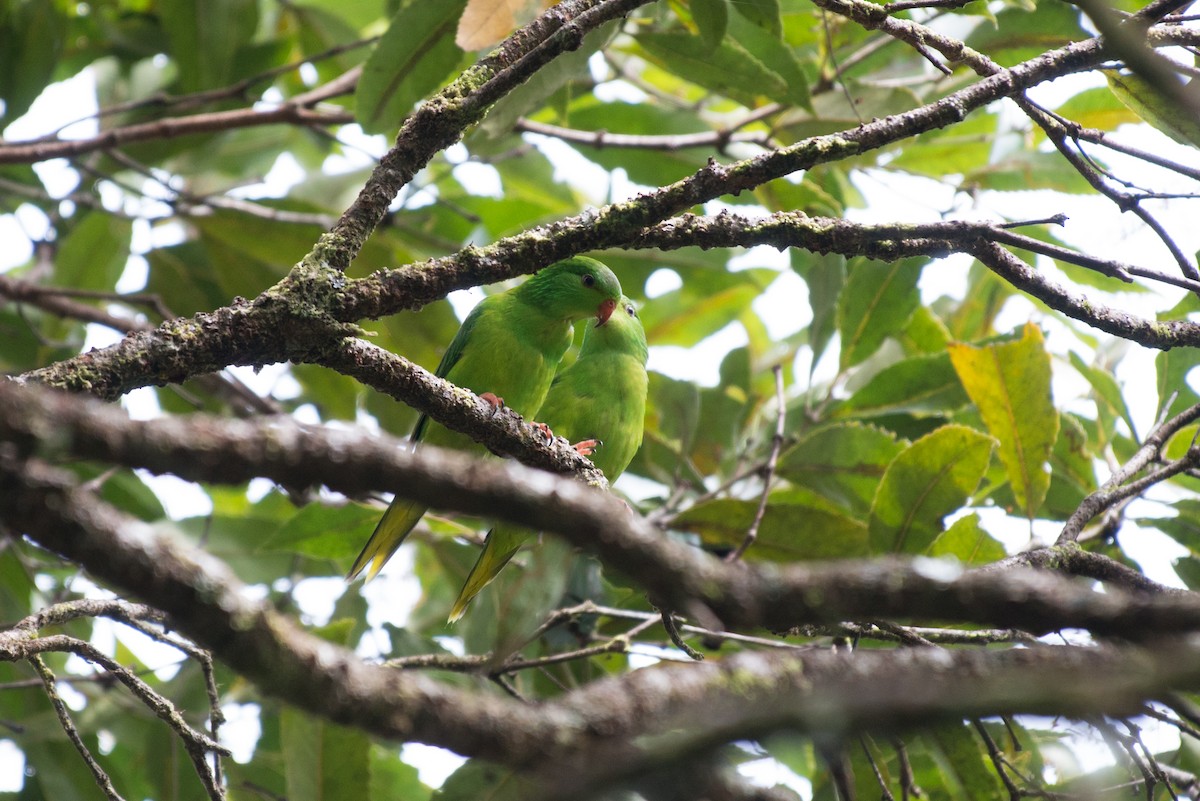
502	544
392	529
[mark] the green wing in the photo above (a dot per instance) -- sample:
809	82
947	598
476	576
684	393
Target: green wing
450	358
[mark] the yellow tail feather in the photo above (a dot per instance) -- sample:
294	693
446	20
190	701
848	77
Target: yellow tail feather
501	546
391	531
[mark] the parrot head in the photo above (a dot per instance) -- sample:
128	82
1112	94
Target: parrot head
622	331
579	287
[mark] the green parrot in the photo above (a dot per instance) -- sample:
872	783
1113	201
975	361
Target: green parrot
507	350
599	402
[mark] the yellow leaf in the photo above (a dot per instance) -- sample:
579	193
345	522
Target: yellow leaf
1010	385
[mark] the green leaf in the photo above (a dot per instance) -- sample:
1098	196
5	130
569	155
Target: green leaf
507	611
93	254
1106	389
1157	107
1095	108
651	167
843	462
703	306
324	761
31	42
414	57
1010	385
920	386
968	543
729	69
875	303
776	56
927	481
958	148
974	316
837	111
763	13
1072	468
1019	34
323	532
825	275
182	276
204	37
798	525
533	94
1183	527
1171	369
966	765
391	777
711	18
672	414
1026	170
925	333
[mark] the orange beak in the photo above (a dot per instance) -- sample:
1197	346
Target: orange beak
604	311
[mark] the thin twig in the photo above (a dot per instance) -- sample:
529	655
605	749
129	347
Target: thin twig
1116	488
668	621
717	139
998	761
64	718
908	782
768	470
885	792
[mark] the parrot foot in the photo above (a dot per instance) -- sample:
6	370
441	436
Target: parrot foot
495	401
545	431
587	447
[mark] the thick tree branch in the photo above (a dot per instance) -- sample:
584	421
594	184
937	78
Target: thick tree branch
271	329
1162	334
1071	560
611	730
888	242
812	692
677	576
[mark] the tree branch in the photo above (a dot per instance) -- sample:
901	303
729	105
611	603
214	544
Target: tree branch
626	716
739	595
288	113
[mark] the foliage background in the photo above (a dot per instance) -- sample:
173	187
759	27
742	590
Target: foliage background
918	403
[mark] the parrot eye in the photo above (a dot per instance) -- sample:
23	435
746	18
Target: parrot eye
588	279
632	312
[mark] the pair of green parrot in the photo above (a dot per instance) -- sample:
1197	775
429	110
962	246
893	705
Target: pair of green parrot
509	348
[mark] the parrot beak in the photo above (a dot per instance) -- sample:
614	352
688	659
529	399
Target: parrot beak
604	311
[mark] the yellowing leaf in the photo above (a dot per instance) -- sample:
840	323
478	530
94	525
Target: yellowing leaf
486	22
1010	385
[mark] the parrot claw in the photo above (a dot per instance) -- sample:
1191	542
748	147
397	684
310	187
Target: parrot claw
587	446
495	401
